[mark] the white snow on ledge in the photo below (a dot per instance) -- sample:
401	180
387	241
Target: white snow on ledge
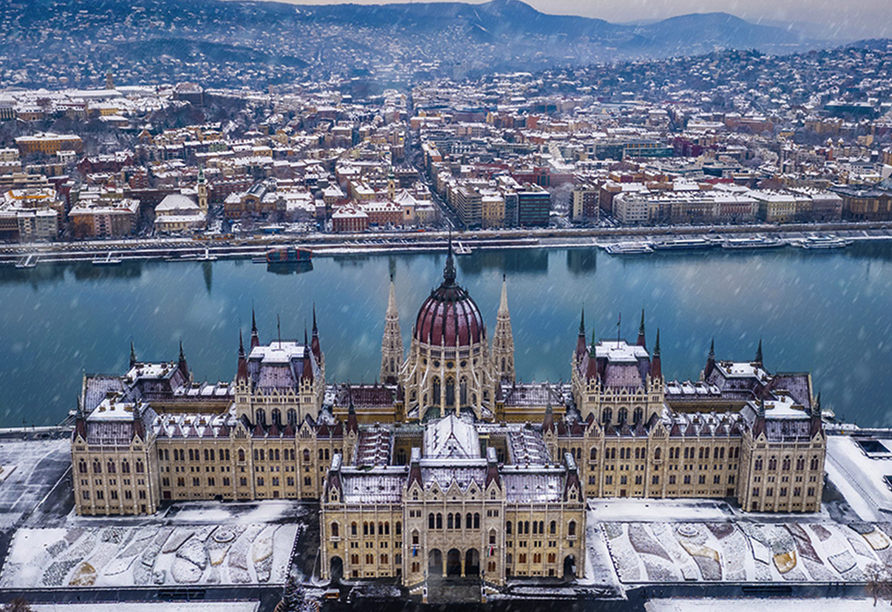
202	606
747	605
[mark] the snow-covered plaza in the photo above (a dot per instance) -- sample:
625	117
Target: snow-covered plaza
149	555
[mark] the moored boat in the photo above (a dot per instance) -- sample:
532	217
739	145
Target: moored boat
752	243
822	242
288	255
683	244
629	248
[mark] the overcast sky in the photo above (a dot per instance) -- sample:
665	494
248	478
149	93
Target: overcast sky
847	18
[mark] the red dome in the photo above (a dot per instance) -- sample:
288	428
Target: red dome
449	316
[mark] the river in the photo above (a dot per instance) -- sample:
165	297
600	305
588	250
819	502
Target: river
825	312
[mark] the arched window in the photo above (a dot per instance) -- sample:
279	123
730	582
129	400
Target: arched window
97	467
571	529
542	527
436	391
508	527
260	416
334	530
365	528
658	452
241	455
386	528
476	520
772	463
622	415
398	528
593	454
381	528
140	468
82	466
552	528
535	528
463	391
292	416
468	521
277	416
492	536
111	466
785	464
637	415
306	456
383	559
415	536
449	524
450	392
430	521
439	521
606	415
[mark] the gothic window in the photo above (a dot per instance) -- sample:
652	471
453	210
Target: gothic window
334	530
111	466
277	416
593	454
241	454
439	521
140	468
430	521
97	467
468	521
571	529
552	528
260	416
292	416
306	456
508	527
657	453
449	521
450	392
353	528
622	415
772	463
398	528
606	415
637	415
463	392
437	392
82	466
476	520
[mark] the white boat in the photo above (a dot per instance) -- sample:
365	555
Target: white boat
752	243
108	260
821	242
629	248
683	244
461	249
28	262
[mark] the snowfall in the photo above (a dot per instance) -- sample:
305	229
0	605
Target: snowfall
119	556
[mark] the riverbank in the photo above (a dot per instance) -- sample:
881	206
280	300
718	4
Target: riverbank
208	249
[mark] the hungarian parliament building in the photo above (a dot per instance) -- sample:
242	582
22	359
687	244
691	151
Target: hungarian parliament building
448	466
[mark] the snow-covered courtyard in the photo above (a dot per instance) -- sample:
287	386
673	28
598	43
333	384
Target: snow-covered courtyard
744	551
238	554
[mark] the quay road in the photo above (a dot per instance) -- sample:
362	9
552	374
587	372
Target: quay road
194	249
268	596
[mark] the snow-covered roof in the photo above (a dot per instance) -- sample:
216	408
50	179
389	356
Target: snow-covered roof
620	351
451	437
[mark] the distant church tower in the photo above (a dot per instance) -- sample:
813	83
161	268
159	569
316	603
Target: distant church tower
109	80
503	340
392	345
202	192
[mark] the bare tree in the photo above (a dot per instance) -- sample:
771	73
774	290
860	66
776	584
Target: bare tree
18	604
878	581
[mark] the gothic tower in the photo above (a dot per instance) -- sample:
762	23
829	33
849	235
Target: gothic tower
503	340
392	344
202	192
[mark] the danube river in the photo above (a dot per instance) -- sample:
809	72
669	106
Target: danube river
827	312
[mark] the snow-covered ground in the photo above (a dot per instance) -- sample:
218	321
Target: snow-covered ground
33	467
195	606
150	555
859	478
743	551
746	605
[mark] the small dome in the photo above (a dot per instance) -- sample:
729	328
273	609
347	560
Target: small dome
449	316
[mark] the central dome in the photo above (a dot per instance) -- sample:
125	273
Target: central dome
449	316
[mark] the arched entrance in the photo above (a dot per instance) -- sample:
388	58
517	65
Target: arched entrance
472	562
336	569
435	563
453	562
569	567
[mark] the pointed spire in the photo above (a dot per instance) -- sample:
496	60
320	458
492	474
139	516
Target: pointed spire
306	340
503	302
316	346
392	341
548	421
449	270
255	336
182	355
132	355
315	329
710	360
759	354
656	368
580	339
182	362
641	341
242	370
352	425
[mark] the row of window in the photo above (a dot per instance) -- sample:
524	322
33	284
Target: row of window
786	462
523	527
273	454
782	491
111	466
453	521
368	528
383	558
113	494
